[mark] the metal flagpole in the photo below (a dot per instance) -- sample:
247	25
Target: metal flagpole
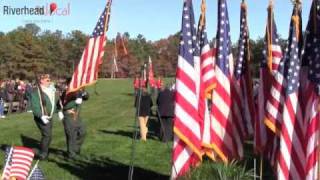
135	134
34	167
261	167
8	159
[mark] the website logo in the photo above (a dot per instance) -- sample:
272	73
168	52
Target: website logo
51	9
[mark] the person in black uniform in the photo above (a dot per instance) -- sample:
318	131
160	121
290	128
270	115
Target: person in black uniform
144	112
165	102
73	126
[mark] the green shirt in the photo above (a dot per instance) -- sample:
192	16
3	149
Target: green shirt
50	106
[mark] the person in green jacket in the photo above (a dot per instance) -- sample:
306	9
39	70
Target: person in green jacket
44	103
73	126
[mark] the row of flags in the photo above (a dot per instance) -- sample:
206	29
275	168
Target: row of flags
18	161
215	111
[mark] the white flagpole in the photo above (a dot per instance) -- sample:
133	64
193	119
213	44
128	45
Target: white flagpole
34	167
7	162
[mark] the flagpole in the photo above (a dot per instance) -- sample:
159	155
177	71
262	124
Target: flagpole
106	24
261	167
7	162
34	167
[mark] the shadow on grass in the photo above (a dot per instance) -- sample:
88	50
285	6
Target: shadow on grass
104	168
151	135
35	144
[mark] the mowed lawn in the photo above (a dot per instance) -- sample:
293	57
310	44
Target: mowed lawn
106	154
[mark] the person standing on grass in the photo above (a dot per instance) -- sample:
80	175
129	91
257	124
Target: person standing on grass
143	112
44	104
165	102
73	126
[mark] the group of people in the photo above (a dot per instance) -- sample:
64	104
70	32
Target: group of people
165	108
45	101
14	91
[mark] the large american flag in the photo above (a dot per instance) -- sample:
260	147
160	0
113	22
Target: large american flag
86	72
223	135
268	66
242	106
207	81
18	163
291	157
310	81
274	94
187	135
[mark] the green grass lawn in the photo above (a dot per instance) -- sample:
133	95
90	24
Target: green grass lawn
106	153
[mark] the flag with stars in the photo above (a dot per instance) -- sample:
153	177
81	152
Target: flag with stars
291	157
187	135
36	173
224	139
310	83
242	106
86	72
207	81
18	163
264	140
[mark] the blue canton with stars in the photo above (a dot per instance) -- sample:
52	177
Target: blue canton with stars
99	29
188	47
6	155
223	38
290	66
311	55
37	174
240	66
202	39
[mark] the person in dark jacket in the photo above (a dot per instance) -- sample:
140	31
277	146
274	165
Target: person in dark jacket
165	102
74	127
144	112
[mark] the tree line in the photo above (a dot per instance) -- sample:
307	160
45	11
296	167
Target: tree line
27	50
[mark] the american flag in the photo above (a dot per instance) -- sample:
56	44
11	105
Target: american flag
291	157
18	163
187	135
36	173
310	81
269	64
151	80
242	106
223	135
86	72
207	81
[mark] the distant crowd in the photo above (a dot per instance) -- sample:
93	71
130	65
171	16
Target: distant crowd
15	95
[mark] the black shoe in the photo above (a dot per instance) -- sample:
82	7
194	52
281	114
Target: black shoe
71	156
41	157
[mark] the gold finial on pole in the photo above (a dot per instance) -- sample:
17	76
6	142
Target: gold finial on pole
271	2
203	13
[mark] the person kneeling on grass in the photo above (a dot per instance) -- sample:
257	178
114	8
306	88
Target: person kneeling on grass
144	112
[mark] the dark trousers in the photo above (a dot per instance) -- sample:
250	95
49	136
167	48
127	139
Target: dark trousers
166	131
46	134
75	133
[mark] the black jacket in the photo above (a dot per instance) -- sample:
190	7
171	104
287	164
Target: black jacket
145	105
165	102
